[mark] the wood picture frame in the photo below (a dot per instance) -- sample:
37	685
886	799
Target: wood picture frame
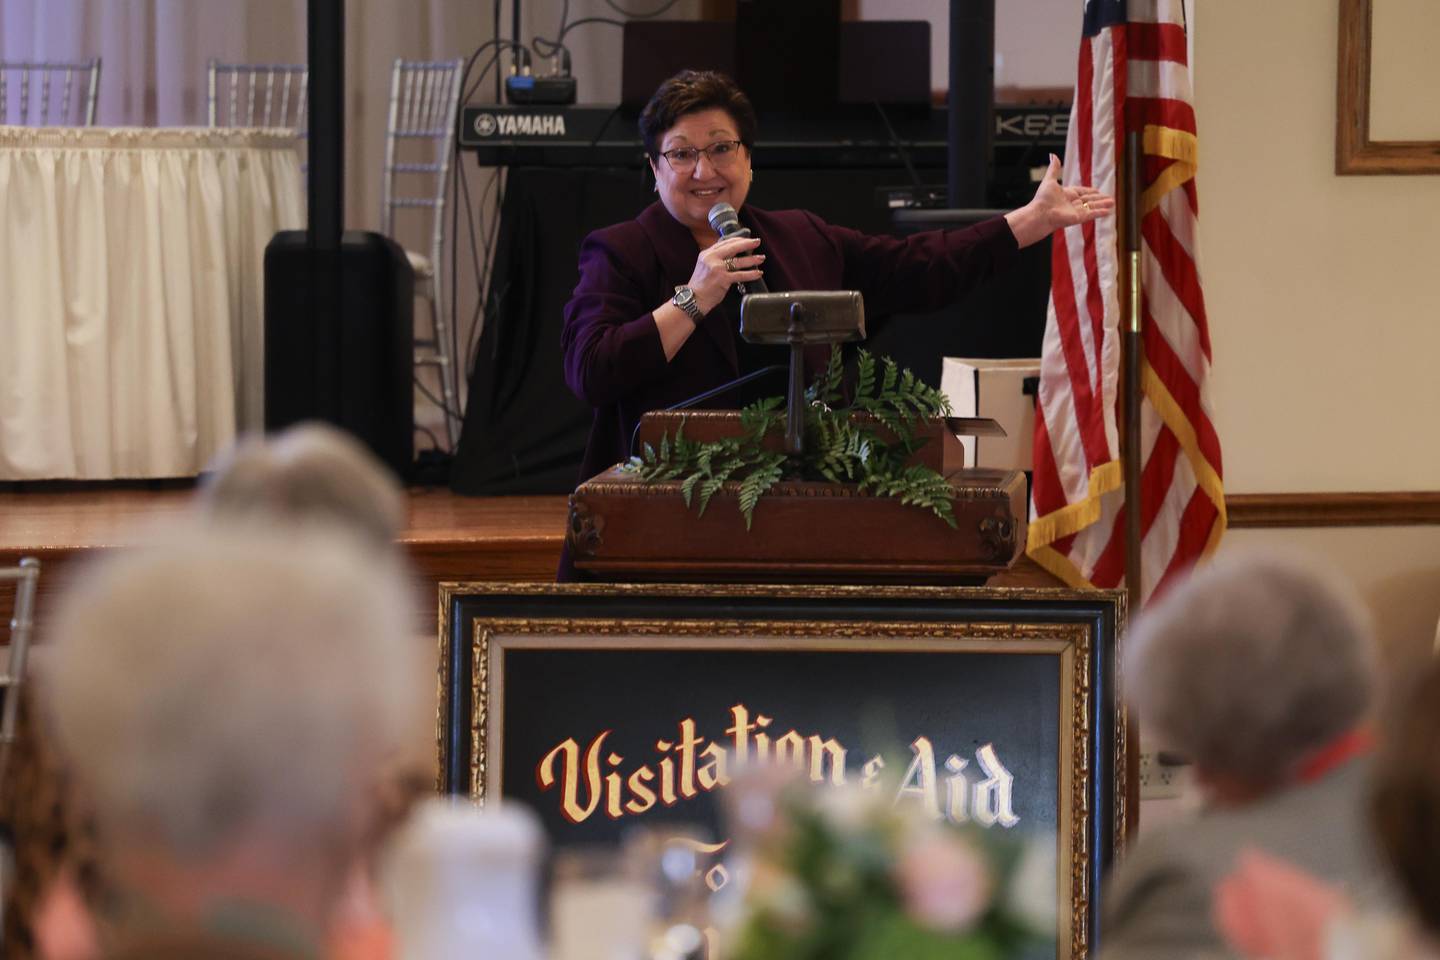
533	677
1355	152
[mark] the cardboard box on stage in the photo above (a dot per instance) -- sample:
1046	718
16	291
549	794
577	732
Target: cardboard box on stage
994	389
623	528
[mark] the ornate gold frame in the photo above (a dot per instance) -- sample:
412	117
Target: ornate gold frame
1070	642
1355	152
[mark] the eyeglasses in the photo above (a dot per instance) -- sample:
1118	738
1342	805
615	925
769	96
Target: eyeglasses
721	153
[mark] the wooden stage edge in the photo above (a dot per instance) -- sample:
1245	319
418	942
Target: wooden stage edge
447	536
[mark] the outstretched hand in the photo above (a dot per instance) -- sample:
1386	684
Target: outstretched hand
1070	206
1055	207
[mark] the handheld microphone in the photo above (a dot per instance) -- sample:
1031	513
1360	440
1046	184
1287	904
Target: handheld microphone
726	222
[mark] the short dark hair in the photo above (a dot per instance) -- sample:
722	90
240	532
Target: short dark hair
691	91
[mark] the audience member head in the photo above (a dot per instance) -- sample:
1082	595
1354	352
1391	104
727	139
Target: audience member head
1406	804
1250	667
229	699
309	474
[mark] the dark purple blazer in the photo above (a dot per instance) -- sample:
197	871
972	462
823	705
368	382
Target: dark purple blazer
613	357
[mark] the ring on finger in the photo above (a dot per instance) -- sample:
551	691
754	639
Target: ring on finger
730	265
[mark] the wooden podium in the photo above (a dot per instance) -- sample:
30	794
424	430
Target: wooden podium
624	528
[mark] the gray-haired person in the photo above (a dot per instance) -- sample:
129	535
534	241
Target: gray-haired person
228	700
310	474
1262	670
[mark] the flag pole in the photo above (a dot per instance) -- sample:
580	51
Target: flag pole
1133	352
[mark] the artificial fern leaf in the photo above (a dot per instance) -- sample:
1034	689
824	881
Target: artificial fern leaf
892	371
765	476
865	375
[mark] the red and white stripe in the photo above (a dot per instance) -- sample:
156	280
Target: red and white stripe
1132	76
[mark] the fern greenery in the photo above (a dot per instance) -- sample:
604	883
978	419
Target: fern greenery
839	447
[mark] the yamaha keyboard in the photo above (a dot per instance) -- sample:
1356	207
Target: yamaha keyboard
857	136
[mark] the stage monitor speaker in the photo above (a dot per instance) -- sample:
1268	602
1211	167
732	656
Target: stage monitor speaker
356	373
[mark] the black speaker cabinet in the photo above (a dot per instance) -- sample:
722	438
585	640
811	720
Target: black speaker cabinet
356	370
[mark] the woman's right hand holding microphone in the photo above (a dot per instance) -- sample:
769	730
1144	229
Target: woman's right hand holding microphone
722	264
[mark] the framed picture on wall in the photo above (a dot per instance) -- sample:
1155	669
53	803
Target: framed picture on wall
1400	41
610	707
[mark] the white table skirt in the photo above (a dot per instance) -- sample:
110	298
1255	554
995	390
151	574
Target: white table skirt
131	294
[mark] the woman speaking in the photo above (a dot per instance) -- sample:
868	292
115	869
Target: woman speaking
654	319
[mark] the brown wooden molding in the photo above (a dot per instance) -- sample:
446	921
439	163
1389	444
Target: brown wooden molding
1383	509
1355	152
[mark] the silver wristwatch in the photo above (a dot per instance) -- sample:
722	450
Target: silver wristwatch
685	299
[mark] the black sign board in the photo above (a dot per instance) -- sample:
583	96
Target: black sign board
605	706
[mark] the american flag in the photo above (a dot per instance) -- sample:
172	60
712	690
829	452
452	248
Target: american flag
1134	75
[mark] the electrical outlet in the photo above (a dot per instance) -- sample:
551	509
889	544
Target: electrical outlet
1159	781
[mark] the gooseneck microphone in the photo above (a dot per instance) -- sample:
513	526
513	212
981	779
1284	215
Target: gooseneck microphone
726	222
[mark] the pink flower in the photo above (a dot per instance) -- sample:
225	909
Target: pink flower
944	882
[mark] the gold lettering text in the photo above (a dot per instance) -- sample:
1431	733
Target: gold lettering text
762	741
819	749
790	750
644	797
919	780
570	805
994	802
739	732
713	772
957	790
688	743
870	772
612	789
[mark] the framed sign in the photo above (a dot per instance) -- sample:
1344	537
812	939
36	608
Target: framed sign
608	706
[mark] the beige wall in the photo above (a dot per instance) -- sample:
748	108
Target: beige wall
1322	296
1321	290
1397	570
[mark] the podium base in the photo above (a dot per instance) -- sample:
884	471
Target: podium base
622	528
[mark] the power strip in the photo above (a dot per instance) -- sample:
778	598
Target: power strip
1160	781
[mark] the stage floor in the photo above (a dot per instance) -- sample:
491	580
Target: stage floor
448	537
